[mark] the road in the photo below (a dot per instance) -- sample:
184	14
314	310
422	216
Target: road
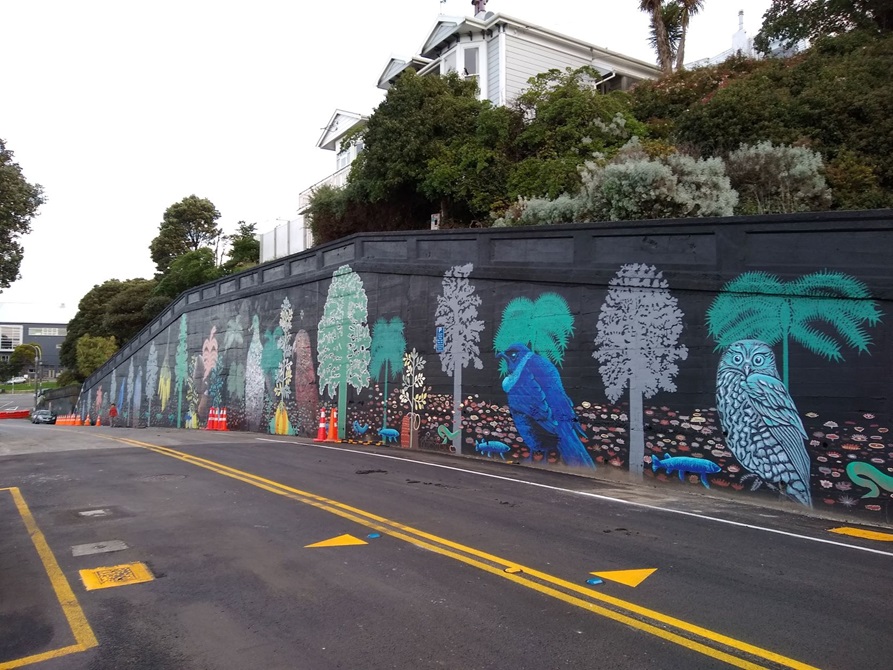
427	562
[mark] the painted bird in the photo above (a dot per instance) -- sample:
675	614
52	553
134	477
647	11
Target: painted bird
760	420
538	403
359	428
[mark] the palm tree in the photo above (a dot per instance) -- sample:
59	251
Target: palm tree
545	326
388	347
760	306
660	36
687	9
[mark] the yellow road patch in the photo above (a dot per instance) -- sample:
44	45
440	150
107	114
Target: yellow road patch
340	541
116	575
74	615
696	638
866	534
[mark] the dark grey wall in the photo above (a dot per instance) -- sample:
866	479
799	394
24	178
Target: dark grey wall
825	280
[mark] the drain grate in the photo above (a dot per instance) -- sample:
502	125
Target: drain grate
116	575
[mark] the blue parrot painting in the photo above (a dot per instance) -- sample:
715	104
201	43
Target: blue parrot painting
540	406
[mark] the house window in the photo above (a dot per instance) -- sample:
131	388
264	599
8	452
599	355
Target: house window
10	337
50	332
472	62
344	158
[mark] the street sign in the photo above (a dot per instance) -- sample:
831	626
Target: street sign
438	341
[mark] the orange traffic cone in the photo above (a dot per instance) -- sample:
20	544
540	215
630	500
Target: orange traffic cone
321	433
222	424
98	420
212	419
333	426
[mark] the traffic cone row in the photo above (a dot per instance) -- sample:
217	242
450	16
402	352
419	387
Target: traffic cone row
69	420
217	419
327	433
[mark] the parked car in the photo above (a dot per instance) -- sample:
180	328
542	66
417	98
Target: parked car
17	380
43	416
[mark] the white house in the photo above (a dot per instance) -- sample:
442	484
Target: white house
501	52
294	236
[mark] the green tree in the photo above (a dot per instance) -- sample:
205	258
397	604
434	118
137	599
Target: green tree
89	320
388	347
125	312
188	225
92	352
344	340
565	120
19	201
760	306
789	21
191	269
687	9
545	326
244	250
22	358
661	39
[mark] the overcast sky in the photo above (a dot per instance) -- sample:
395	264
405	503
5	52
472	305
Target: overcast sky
120	109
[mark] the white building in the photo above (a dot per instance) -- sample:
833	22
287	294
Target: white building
501	52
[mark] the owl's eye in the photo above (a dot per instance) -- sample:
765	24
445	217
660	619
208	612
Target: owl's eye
738	359
759	359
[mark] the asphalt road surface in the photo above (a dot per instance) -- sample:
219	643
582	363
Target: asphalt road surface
425	561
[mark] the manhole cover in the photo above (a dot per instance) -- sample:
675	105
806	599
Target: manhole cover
116	575
161	478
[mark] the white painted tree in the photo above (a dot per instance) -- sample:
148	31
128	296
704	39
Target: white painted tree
637	345
254	377
457	311
151	379
129	396
344	341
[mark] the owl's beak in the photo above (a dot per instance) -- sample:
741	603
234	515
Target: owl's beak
747	370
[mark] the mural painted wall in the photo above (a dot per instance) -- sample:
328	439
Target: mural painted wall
691	357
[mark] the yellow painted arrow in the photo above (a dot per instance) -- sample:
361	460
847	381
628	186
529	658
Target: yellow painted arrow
340	541
859	532
629	577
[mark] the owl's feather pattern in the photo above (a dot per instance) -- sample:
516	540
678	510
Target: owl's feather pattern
762	426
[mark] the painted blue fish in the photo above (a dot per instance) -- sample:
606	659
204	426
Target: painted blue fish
359	428
490	447
684	464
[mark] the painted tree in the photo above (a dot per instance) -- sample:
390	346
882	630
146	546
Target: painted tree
151	379
457	310
181	370
235	379
130	379
280	424
164	378
414	393
344	340
254	377
760	306
638	344
545	326
306	392
388	347
137	401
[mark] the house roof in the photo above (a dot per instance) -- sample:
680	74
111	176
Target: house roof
396	66
337	127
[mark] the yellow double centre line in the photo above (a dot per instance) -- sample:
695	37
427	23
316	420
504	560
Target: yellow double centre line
696	638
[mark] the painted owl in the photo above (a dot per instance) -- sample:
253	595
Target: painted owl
760	420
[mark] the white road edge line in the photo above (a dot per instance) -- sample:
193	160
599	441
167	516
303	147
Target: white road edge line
592	495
